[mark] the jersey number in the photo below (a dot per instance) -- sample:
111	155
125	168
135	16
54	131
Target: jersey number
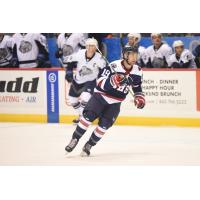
105	73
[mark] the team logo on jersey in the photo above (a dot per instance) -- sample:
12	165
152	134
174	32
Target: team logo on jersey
95	65
67	50
85	71
158	62
113	65
25	46
3	53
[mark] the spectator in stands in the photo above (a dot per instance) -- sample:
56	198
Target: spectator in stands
133	41
196	53
158	54
5	50
182	58
69	43
30	50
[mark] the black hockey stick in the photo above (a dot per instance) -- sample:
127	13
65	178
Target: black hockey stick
131	92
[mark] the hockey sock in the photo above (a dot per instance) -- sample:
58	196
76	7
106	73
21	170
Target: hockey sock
77	107
82	106
81	128
96	135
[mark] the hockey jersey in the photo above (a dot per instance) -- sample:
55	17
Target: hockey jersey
186	60
158	57
86	69
117	95
71	44
5	52
27	49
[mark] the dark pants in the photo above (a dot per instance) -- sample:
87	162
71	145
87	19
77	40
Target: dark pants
76	89
97	107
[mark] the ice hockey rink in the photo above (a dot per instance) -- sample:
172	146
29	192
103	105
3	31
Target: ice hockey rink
43	144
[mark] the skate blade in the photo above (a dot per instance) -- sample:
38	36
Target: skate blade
67	153
84	154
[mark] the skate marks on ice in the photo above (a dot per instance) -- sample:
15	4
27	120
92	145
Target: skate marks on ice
44	144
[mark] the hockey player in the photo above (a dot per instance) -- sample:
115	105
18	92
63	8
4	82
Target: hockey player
69	43
29	50
196	53
5	50
112	87
158	54
87	63
133	41
182	58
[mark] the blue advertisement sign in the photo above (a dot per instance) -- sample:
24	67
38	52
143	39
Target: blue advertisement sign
52	97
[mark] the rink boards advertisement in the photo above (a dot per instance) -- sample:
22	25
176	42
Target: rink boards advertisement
23	95
42	96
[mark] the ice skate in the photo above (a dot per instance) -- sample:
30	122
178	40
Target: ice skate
86	150
76	121
70	147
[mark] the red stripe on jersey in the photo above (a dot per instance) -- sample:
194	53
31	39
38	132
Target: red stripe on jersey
116	98
99	84
127	70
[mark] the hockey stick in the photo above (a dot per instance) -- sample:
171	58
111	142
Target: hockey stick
61	62
131	92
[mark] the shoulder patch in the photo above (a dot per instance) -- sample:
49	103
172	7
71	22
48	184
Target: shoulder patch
114	65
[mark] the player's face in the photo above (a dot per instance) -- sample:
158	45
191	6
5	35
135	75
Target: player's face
179	50
132	41
132	58
156	39
91	49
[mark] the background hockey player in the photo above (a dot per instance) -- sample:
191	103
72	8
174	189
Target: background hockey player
87	63
30	50
5	50
69	43
111	90
182	58
158	54
196	53
133	41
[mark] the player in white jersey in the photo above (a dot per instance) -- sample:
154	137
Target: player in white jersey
133	41
182	58
158	54
69	43
5	50
30	50
87	63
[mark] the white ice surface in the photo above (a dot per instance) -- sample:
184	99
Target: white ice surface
43	144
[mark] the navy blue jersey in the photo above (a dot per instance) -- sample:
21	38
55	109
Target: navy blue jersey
118	94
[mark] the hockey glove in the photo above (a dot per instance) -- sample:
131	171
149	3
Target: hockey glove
139	100
14	62
59	53
69	76
117	80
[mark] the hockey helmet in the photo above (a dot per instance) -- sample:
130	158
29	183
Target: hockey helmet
91	41
178	43
135	35
156	34
129	49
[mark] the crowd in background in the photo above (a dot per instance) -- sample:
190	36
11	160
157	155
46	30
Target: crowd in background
30	50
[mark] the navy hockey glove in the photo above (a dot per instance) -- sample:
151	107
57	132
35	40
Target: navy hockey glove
59	53
117	80
69	76
14	62
139	100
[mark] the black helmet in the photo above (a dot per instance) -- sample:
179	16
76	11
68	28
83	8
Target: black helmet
130	49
